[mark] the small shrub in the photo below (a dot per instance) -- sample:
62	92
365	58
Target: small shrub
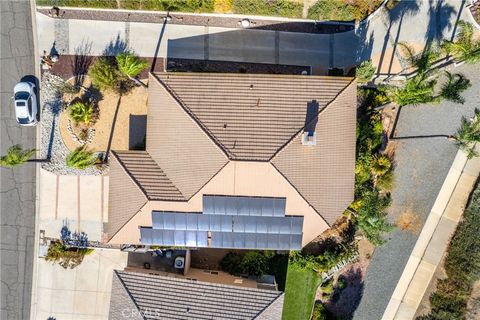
223	6
385	182
254	263
130	65
81	158
16	156
81	112
66	257
380	165
232	263
365	71
319	311
372	218
342	283
104	75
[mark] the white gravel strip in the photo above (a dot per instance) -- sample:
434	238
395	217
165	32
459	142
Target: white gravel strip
52	142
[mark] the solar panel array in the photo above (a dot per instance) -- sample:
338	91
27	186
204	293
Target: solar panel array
244	206
226	231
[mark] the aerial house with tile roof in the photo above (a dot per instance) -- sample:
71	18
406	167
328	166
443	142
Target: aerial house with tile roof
241	161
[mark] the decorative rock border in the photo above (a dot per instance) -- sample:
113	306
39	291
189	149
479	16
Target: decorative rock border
90	134
52	145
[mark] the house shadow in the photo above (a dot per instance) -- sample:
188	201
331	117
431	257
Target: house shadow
323	51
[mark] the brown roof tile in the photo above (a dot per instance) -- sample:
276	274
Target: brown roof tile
178	144
148	175
324	173
251	116
125	198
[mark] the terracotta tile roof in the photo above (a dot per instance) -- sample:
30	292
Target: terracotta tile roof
148	175
324	174
186	154
125	198
252	116
160	297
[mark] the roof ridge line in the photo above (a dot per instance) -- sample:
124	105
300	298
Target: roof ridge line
187	110
311	120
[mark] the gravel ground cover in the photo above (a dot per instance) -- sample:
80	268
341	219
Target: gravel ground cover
63	67
52	146
203	20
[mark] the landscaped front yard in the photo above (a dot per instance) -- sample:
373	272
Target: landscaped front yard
300	292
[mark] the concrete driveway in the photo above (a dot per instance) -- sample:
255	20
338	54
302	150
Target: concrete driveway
77	201
79	293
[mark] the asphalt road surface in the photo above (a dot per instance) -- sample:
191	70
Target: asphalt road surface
17	186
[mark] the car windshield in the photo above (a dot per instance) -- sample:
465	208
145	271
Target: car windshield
23	120
22	95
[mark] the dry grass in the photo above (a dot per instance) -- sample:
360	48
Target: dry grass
409	221
223	6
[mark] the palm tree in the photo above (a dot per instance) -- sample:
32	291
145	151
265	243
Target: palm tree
16	156
464	47
104	75
468	135
421	61
372	218
81	112
130	65
81	158
416	90
456	84
380	165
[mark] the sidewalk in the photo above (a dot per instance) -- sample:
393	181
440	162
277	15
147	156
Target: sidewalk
434	238
322	51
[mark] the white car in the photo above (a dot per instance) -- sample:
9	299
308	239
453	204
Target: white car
25	103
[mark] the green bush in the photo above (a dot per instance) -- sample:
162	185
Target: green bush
372	218
130	65
381	164
80	158
254	263
282	8
81	112
343	10
365	71
386	182
232	263
325	261
319	311
104	74
169	5
65	256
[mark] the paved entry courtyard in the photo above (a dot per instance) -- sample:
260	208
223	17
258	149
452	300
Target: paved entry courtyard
83	292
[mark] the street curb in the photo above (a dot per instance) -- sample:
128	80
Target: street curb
33	297
435	235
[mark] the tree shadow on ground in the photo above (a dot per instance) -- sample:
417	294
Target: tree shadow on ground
344	302
81	62
115	47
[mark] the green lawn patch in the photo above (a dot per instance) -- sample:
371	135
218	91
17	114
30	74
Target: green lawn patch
300	292
343	10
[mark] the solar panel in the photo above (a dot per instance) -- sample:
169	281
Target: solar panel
244	206
227	231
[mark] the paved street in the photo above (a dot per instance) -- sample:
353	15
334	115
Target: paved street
18	185
421	168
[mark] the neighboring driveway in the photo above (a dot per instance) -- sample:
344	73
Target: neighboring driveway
79	293
17	193
421	167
